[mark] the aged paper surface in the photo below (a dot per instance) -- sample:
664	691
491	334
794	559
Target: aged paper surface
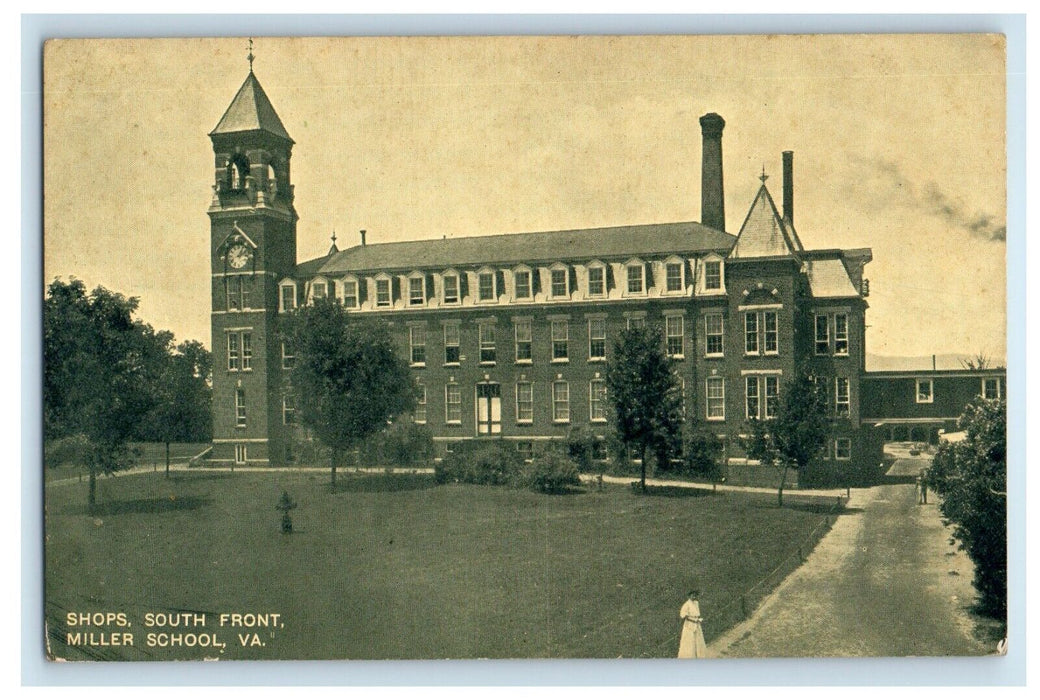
509	208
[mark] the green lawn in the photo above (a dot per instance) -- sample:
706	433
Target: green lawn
420	571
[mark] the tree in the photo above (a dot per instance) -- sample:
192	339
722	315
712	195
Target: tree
348	379
645	395
100	372
971	478
977	361
704	453
796	434
184	398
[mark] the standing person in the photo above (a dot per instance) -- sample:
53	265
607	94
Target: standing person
691	641
924	486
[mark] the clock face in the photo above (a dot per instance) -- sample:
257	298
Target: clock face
238	256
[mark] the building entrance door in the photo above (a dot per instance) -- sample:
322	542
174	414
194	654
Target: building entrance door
489	409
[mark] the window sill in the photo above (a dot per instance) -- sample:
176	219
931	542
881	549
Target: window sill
562	422
841	354
417	365
600	421
719	419
597	360
714	356
487	363
419	422
525	422
452	364
677	357
924	402
524	362
453	422
560	361
450	303
772	353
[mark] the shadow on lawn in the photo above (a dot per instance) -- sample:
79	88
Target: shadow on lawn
382	483
825	507
143	505
200	477
670	491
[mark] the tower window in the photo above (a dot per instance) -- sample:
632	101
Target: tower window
238	169
240	408
841	334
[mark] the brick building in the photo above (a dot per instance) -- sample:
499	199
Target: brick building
509	335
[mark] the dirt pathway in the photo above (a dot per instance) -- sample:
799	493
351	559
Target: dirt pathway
884	582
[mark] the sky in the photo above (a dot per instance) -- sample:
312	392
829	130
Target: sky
898	140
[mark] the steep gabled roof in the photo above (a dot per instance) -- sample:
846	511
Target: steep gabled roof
511	249
251	110
764	233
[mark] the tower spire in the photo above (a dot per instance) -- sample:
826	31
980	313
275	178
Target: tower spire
763	177
250	56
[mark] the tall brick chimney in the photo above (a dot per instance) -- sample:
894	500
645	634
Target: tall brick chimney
713	206
789	187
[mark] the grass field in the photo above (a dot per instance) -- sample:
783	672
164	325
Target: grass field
396	567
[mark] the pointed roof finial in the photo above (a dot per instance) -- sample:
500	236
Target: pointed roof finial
333	236
763	177
250	56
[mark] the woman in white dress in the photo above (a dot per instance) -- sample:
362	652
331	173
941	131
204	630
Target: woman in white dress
691	641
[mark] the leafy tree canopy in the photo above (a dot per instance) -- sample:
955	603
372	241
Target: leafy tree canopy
348	377
971	477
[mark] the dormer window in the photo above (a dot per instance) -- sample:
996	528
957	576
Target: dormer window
287	296
350	293
383	298
558	286
486	285
319	290
713	275
597	279
674	275
635	273
451	287
522	283
416	290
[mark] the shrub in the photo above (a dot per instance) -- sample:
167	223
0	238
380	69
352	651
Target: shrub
581	442
703	454
493	462
407	444
552	472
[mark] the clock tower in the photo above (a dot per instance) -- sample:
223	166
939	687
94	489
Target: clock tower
252	247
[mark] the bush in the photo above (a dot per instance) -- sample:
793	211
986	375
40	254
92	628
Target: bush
703	455
552	472
581	442
403	444
492	462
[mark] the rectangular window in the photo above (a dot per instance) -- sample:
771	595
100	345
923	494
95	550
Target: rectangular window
924	391
452	403
559	283
522	333
713	329
715	395
417	342
524	402
673	277
451	289
842	403
240	408
247	351
843	449
416	291
561	400
523	284
350	295
713	274
597	339
525	450
673	333
288	410
751	333
597	401
234	290
451	344
823	338
288	356
486	286
232	352
637	322
751	398
841	334
560	333
319	291
635	278
823	388
486	333
772	393
991	388
770	333
420	404
288	297
245	289
382	292
597	283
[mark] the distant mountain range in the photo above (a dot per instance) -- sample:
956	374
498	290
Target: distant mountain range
897	363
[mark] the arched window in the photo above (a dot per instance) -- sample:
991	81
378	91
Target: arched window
238	169
272	180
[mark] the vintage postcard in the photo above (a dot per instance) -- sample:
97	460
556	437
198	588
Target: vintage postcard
525	347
